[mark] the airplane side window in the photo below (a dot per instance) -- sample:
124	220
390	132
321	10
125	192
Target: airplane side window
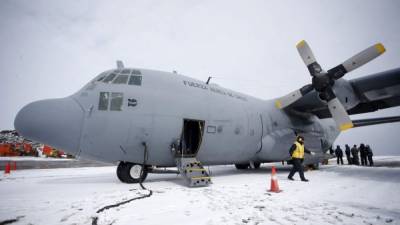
121	79
103	101
116	101
135	80
109	78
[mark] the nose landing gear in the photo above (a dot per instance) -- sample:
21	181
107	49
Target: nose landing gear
131	172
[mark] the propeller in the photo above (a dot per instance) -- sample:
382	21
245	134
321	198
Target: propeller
322	81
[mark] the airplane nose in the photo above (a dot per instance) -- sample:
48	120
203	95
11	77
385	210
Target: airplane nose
55	122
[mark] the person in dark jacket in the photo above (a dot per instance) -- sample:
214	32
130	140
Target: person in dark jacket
297	153
347	151
339	155
363	155
354	153
369	155
331	150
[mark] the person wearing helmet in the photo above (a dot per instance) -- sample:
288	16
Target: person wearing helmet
297	153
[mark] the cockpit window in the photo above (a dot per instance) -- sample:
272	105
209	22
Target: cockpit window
121	76
103	101
102	76
137	72
109	78
135	80
126	71
116	101
121	79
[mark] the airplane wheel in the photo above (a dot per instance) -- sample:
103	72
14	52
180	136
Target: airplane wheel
257	165
131	173
119	173
315	166
242	166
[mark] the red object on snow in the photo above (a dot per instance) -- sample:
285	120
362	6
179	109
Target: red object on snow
47	150
7	169
27	147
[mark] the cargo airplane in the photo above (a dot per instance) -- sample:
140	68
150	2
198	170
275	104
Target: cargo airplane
146	119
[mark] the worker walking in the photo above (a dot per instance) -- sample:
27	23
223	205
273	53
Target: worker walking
347	151
369	155
297	153
339	155
354	153
363	155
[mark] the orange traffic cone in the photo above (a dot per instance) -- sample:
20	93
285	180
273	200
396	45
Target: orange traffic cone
14	166
7	169
274	182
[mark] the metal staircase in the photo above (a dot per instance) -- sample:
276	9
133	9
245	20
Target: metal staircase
193	171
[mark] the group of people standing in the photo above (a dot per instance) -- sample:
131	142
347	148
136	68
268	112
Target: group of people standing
352	155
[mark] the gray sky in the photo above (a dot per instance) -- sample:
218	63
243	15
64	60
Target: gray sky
52	48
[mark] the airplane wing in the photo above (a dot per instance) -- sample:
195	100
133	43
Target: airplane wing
361	95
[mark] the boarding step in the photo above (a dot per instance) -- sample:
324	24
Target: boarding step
193	172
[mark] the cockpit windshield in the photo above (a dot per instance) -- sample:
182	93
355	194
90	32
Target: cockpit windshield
121	76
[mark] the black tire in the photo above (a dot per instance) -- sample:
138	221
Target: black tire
257	165
130	172
119	171
242	166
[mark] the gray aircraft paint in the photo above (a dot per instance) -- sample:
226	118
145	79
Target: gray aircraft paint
238	128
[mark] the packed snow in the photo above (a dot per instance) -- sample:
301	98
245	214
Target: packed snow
335	195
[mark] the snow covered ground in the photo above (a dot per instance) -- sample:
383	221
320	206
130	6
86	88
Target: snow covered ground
334	195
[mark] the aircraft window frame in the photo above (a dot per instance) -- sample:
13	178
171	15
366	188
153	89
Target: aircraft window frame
116	101
135	80
121	79
211	129
110	77
104	98
126	72
101	78
136	72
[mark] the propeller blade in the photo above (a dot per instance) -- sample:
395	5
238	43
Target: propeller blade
339	114
308	58
292	97
356	61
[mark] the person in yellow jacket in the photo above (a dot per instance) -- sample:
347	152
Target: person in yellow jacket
297	153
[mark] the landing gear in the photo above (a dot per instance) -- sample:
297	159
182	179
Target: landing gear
314	166
247	165
131	173
242	166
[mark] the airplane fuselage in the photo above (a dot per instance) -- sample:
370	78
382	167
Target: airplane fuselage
238	128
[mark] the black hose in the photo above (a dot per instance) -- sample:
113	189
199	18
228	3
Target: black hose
95	219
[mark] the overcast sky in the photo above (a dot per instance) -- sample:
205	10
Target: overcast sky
52	48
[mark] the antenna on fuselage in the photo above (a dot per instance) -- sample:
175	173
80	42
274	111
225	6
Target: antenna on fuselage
208	80
120	64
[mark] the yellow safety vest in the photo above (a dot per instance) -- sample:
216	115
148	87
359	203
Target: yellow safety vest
299	151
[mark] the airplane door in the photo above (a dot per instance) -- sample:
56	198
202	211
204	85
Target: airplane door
192	137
